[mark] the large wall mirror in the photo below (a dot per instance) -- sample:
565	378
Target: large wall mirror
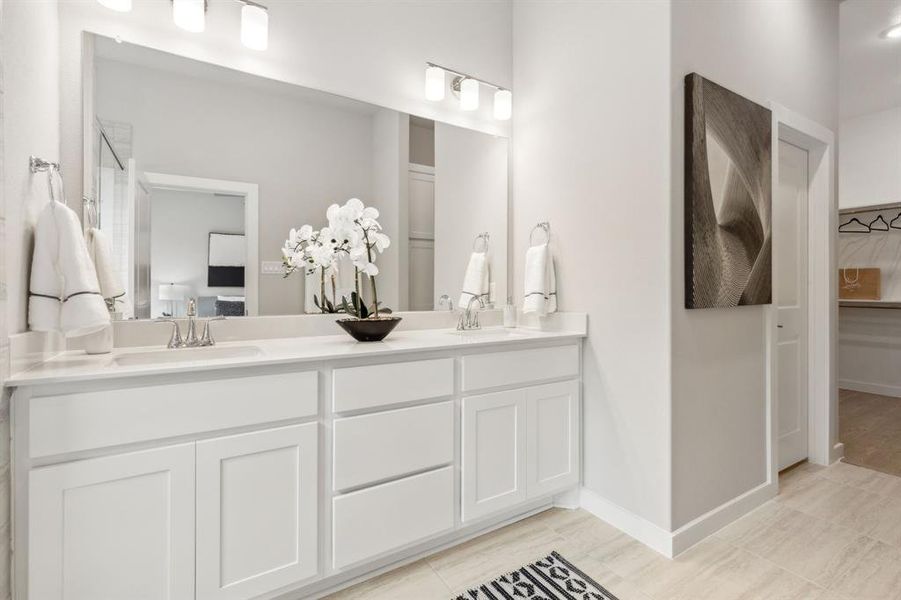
199	172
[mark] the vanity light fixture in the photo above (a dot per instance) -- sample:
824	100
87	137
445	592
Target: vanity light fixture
466	87
503	105
190	15
434	83
892	33
469	93
254	25
119	5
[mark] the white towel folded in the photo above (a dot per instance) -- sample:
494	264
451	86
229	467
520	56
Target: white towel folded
540	293
102	255
475	281
64	293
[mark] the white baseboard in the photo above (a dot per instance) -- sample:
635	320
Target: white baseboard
649	534
870	388
671	544
707	524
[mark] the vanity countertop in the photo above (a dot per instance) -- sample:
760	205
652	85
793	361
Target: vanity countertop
75	366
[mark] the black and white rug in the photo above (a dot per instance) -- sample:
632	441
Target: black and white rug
551	578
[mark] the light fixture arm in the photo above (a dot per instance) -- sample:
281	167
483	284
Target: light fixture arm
460	76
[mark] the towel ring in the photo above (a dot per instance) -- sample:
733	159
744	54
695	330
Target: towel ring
544	226
484	237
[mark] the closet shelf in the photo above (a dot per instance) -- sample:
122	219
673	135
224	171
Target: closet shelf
869	303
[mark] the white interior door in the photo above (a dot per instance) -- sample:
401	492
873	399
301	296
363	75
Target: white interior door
790	295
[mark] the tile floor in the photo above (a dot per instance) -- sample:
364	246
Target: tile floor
870	427
832	534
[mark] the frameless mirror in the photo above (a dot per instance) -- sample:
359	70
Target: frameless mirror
199	173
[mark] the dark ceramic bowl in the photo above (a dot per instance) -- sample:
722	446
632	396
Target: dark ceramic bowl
369	330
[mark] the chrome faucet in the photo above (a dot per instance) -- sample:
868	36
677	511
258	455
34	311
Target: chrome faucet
445	300
469	319
190	340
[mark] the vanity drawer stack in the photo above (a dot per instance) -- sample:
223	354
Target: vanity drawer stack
392	467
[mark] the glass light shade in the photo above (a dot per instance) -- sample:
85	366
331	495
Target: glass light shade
434	84
469	94
893	32
503	105
120	5
190	15
254	27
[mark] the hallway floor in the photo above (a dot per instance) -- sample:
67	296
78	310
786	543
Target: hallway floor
832	534
870	427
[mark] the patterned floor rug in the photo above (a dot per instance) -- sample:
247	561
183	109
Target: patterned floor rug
551	578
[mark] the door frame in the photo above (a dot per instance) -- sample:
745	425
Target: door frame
251	194
823	446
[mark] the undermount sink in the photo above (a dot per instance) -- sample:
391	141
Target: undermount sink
488	332
156	357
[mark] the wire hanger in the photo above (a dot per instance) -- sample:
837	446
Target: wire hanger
878	224
543	226
893	222
853	226
485	238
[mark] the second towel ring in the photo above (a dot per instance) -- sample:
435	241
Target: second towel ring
544	226
485	238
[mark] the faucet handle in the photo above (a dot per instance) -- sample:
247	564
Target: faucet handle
175	341
207	338
445	300
192	307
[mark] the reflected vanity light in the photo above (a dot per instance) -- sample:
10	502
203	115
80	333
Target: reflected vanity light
190	15
119	5
503	105
254	26
434	83
466	87
892	33
469	94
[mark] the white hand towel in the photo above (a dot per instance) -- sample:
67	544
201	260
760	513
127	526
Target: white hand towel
475	281
540	293
64	293
101	254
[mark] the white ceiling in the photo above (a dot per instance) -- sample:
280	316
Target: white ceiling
870	65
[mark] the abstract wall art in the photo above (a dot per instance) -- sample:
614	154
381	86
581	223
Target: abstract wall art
728	195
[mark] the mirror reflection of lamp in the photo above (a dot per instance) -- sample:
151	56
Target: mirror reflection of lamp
172	293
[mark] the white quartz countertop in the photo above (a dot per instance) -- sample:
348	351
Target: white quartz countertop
77	366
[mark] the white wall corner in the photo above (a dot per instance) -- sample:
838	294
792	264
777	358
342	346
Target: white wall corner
641	529
673	543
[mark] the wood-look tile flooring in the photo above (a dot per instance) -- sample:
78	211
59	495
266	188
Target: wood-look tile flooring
832	534
870	427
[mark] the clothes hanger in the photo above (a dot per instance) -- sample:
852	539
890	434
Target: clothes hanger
854	222
878	224
895	220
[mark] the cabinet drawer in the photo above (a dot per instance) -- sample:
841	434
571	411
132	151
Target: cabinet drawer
358	388
389	516
519	366
81	421
369	448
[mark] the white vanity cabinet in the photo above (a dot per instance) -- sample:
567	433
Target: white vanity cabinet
284	481
257	512
519	444
114	527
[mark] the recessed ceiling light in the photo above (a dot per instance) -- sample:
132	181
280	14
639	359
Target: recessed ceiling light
892	33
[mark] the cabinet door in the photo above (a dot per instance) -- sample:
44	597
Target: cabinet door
552	455
114	527
257	513
493	452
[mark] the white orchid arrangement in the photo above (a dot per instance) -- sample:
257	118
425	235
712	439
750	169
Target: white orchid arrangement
354	231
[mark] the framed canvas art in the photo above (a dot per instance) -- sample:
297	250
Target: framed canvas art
728	197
